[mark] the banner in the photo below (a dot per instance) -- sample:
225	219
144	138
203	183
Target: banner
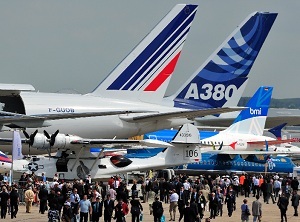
17	146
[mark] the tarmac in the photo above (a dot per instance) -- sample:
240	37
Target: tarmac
270	211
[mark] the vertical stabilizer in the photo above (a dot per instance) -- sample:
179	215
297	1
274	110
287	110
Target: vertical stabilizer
145	73
252	119
187	134
222	78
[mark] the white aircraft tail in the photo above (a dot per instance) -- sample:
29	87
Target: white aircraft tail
145	73
187	134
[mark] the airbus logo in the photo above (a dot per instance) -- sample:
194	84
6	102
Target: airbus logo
217	92
255	111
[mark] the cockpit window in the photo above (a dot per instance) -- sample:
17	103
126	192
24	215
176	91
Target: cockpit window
120	161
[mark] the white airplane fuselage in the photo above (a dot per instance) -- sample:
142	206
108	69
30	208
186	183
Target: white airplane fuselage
95	127
234	141
105	168
104	127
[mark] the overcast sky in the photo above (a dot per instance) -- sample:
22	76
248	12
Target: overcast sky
59	45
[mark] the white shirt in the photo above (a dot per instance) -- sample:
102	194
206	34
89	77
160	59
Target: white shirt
174	197
186	185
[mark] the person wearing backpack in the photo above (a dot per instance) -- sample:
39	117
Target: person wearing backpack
136	208
158	209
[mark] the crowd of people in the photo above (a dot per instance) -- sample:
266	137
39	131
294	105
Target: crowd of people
193	199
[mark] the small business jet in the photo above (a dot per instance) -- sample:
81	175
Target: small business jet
133	94
70	164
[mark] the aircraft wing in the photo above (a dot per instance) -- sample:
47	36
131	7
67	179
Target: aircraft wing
14	89
21	120
190	114
272	142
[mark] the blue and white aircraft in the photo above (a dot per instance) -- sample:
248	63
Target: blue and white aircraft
215	163
244	136
130	100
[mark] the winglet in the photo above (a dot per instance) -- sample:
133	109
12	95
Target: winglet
276	131
187	134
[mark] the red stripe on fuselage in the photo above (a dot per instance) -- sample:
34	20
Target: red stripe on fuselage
163	75
5	159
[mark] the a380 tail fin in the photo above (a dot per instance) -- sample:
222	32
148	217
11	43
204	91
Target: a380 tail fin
252	119
221	80
145	73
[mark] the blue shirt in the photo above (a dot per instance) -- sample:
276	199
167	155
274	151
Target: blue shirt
84	206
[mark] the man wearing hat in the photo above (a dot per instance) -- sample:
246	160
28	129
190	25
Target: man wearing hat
67	212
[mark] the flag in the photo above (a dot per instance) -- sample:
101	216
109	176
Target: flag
17	146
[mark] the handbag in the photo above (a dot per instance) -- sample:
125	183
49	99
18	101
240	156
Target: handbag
141	216
163	218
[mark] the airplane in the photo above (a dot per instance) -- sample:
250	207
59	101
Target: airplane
215	163
181	150
244	136
275	117
5	163
138	84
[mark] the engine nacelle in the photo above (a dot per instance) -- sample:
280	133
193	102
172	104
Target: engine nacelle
62	141
40	142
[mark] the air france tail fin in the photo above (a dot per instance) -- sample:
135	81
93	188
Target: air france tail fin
145	73
252	119
221	80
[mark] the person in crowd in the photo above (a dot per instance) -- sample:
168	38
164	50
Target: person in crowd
67	213
220	198
75	210
295	184
277	187
283	203
29	197
295	202
230	200
256	209
269	190
14	202
201	203
43	196
121	210
85	209
108	208
4	197
213	205
96	209
173	204
245	211
136	209
158	210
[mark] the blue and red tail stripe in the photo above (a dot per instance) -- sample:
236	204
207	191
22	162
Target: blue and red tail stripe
142	65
